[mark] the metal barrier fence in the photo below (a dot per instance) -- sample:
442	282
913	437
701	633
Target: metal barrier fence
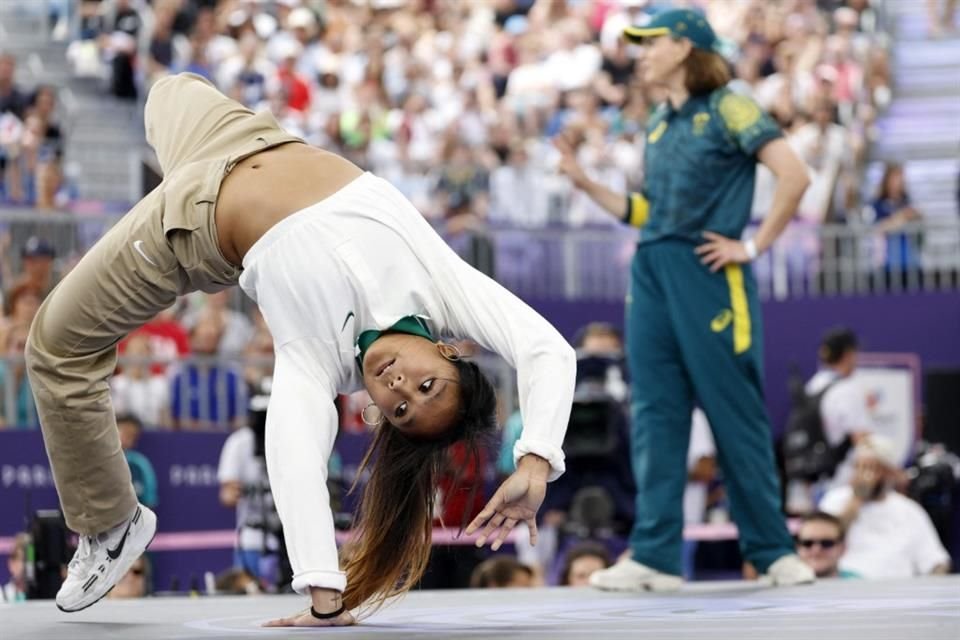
194	393
592	264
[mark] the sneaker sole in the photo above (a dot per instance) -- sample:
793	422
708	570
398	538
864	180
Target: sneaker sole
790	583
107	592
652	586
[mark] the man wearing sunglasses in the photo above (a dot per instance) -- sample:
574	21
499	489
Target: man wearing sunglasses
888	534
820	544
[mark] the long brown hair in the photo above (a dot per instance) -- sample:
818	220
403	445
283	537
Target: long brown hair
889	170
706	72
394	527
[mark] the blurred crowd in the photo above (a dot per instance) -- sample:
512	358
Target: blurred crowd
31	143
455	101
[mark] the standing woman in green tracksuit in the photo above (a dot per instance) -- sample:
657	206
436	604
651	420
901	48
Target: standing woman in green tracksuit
692	314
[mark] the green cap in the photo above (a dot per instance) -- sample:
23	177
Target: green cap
680	23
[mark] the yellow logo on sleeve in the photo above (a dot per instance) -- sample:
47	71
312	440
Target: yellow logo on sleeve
721	321
657	133
738	112
700	123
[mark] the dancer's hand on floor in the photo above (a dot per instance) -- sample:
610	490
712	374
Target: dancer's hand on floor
305	619
517	500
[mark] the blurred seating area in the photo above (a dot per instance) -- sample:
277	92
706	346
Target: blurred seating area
455	101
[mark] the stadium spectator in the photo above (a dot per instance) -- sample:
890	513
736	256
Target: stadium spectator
512	202
845	403
820	543
207	395
16	589
501	571
141	471
701	473
12	99
888	534
135	583
17	408
458	502
245	75
580	562
600	339
31	150
394	87
293	86
167	50
136	389
24	156
13	103
236	582
258	354
20	306
236	330
118	42
169	341
942	17
37	266
892	211
44	106
198	61
824	146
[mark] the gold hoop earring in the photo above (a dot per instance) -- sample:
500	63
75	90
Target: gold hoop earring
450	351
366	420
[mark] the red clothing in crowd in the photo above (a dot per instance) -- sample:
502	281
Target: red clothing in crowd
169	341
296	88
455	498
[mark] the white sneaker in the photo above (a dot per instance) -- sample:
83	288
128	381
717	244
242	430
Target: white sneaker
630	575
790	570
102	560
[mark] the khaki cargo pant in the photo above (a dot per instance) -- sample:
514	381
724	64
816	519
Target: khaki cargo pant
164	247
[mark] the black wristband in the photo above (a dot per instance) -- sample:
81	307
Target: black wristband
327	616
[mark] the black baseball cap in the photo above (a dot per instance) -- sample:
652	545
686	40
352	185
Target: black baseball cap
37	247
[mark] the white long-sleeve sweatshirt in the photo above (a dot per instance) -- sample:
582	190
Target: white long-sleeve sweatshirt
362	259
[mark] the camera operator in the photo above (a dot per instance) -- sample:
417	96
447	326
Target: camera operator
888	534
244	485
597	441
595	497
844	407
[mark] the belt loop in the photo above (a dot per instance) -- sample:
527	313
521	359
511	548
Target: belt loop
211	181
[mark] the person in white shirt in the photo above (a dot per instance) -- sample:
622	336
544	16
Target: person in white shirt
139	391
888	534
701	468
843	407
356	288
701	471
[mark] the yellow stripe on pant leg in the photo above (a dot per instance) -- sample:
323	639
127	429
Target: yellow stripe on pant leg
738	303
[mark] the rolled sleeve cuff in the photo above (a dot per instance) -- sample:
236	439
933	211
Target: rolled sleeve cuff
323	579
549	452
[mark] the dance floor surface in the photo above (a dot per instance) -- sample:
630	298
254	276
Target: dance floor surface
927	608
